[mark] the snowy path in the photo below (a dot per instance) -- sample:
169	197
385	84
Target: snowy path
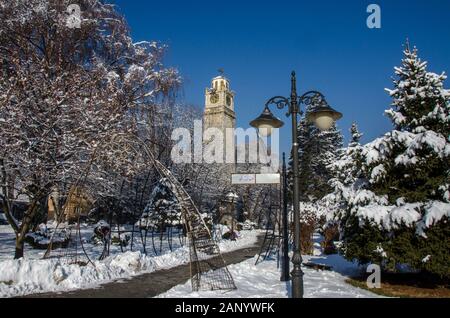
263	280
151	284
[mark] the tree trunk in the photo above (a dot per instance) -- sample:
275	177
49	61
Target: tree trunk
19	249
23	230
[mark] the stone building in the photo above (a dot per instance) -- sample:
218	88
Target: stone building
219	112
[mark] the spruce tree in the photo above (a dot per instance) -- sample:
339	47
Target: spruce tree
355	136
409	164
317	150
345	171
419	98
163	207
348	166
399	213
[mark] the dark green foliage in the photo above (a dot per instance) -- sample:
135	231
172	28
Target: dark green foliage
415	183
436	244
361	241
402	247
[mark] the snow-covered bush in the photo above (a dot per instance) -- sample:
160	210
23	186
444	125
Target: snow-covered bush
248	225
309	222
123	240
41	238
397	211
102	232
330	237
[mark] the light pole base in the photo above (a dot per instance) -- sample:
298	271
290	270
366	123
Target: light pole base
297	276
297	283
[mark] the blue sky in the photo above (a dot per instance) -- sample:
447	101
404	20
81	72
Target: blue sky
328	44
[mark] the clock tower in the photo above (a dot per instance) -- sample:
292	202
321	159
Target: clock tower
219	105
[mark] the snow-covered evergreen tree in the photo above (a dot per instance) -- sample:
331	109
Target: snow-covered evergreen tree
317	150
356	135
348	167
400	213
345	171
163	208
420	101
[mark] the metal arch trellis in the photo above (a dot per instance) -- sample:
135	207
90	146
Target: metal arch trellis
272	239
74	252
207	266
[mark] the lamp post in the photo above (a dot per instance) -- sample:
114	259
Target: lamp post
285	259
232	198
323	116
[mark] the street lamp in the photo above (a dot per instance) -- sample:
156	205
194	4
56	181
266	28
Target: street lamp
323	116
232	198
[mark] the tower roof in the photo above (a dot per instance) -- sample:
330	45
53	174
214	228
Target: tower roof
221	77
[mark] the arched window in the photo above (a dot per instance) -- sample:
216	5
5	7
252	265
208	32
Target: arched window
222	85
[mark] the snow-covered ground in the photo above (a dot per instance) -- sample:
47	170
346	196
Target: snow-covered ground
263	281
35	275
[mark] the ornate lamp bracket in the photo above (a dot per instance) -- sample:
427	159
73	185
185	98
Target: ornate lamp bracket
280	102
312	98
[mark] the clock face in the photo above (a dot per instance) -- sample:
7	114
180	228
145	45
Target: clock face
214	99
229	101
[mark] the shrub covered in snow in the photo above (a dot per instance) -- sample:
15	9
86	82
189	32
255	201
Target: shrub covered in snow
102	233
247	225
41	238
330	237
397	209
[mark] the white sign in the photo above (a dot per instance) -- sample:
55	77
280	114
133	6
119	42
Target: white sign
256	179
243	179
274	178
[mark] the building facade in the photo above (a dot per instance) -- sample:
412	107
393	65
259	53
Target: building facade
219	110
